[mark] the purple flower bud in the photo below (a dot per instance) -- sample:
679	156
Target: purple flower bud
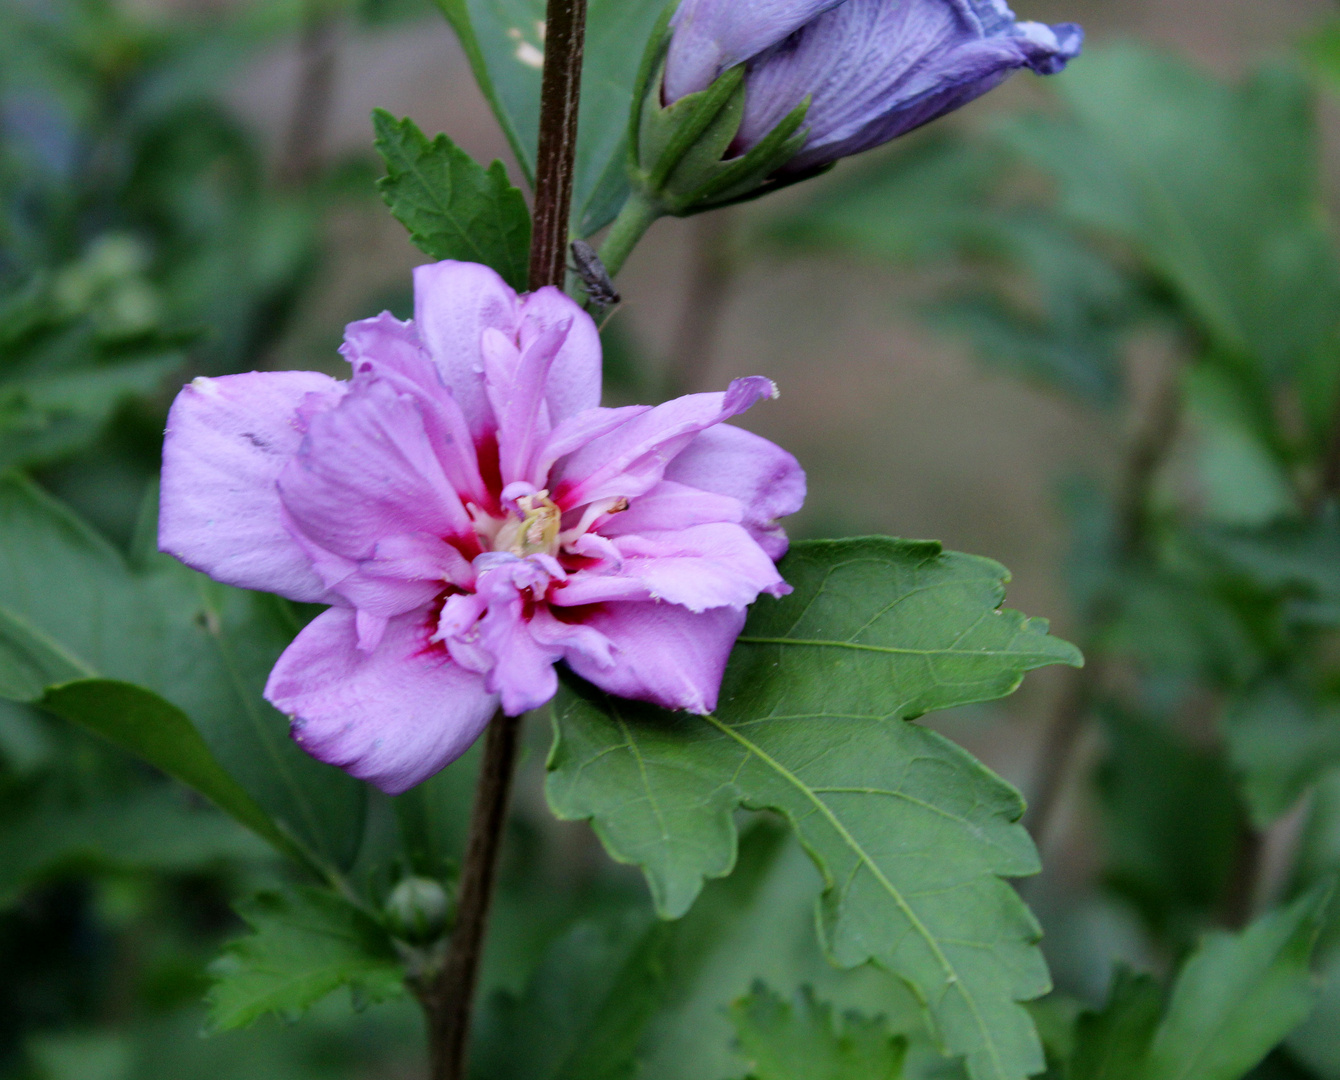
873	69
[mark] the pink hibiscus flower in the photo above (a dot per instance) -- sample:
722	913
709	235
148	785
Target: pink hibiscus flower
474	516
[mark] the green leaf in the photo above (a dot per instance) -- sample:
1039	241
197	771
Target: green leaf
1239	995
597	989
933	200
1281	742
148	829
306	944
801	1042
48	417
1299	560
915	202
1170	821
911	834
1216	187
143	723
504	42
203	648
453	207
1112	1044
1243	477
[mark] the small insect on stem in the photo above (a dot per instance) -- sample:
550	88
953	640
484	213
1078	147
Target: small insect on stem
599	287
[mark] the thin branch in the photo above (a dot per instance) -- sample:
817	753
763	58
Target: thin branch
1330	474
564	38
1130	533
448	1000
301	157
711	274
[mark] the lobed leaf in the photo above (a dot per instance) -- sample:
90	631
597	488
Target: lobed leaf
800	1041
452	206
306	944
912	835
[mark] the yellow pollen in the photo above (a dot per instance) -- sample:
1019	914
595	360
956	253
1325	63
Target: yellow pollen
537	531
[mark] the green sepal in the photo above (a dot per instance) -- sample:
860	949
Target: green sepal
677	153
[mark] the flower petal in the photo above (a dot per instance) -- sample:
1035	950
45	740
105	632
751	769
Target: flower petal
573	382
575	432
714	35
768	482
662	653
631	459
454	303
702	567
227	441
523	667
394	716
367	470
670	506
876	70
391	350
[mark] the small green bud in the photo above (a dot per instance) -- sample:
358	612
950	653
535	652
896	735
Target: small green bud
419	911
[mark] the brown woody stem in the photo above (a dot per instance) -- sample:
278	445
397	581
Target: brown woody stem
560	94
301	158
1140	469
448	1000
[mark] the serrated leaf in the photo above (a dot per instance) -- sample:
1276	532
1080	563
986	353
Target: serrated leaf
1239	995
912	835
801	1041
306	943
1112	1044
452	206
203	648
504	41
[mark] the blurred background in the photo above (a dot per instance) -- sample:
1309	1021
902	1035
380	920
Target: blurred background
972	344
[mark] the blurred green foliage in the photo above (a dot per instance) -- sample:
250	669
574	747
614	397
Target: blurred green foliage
145	237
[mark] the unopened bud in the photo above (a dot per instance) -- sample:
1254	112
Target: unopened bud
419	911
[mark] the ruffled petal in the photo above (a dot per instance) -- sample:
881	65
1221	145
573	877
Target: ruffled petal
575	432
768	482
391	350
663	654
454	303
523	667
394	716
631	459
367	470
714	35
670	506
573	381
702	567
227	441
